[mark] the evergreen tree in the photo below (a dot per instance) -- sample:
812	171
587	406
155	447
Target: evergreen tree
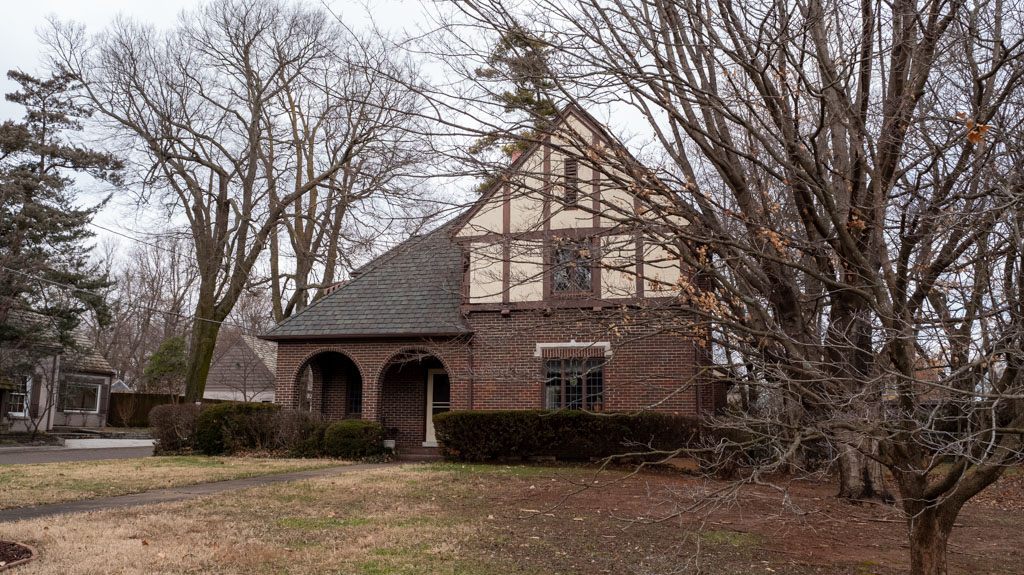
46	276
165	370
521	60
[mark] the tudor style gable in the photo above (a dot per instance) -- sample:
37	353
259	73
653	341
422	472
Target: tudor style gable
551	232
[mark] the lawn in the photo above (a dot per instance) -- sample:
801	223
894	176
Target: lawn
475	520
36	484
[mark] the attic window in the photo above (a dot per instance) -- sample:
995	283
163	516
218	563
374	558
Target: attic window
571	189
573	263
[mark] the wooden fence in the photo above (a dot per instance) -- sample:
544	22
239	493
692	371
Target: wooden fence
132	409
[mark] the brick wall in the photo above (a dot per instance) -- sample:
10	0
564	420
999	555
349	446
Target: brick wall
653	365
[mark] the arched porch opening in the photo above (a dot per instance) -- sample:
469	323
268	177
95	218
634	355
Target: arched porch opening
415	385
331	385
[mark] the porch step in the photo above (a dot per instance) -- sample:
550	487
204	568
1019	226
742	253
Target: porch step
73	433
93	433
415	454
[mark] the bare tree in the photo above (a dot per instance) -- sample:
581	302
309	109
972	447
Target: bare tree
356	111
843	175
197	110
151	300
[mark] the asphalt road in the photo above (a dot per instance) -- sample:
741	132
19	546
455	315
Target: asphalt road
62	454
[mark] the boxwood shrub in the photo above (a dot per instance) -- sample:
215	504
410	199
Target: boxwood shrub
490	435
229	427
354	439
311	441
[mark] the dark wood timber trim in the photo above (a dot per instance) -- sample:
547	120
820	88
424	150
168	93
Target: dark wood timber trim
639	254
586	301
595	183
545	234
506	243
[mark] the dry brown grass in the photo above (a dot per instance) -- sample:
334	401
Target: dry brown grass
27	485
476	520
371	522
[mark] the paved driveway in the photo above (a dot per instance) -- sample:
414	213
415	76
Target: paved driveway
78	450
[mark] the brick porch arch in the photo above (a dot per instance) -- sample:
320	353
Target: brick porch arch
329	388
401	388
426	350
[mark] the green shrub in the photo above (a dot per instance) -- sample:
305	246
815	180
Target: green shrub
230	427
354	439
489	435
311	442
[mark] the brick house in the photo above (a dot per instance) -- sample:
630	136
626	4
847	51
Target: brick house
529	299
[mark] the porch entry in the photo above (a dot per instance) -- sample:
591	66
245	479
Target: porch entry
439	400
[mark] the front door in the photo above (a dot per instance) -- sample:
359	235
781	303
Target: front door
439	400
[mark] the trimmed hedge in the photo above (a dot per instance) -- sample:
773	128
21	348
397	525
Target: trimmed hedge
311	443
354	439
490	435
230	427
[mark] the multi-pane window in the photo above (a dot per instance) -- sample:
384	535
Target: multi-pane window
82	393
571	181
574	384
573	262
18	404
355	391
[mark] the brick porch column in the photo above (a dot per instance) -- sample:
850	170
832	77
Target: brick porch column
286	392
372	391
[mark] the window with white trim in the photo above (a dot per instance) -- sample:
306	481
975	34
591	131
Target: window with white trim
574	383
18	405
82	393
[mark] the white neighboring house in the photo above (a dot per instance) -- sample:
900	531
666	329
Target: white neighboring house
66	389
243	368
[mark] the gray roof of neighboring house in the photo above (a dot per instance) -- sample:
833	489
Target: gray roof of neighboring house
265	350
412	290
85	359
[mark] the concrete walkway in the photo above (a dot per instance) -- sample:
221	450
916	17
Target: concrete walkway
62	454
77	450
175	493
106	443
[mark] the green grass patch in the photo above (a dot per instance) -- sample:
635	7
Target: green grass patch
315	523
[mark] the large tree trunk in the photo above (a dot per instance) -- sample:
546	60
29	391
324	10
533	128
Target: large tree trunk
205	328
860	477
929	532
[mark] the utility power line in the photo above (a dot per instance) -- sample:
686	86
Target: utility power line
129	304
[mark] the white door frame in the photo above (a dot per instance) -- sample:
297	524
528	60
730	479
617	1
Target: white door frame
430	439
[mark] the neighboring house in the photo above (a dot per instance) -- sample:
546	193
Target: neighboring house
242	369
522	302
67	387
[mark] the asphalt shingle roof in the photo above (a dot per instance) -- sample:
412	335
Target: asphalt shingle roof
83	359
87	359
414	289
